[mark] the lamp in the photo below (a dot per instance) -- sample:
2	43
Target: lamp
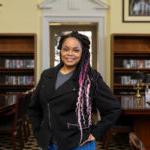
138	76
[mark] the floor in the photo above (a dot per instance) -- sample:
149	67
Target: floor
117	143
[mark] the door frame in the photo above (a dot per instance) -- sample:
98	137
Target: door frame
101	36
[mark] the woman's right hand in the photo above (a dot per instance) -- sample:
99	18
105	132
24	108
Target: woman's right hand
90	138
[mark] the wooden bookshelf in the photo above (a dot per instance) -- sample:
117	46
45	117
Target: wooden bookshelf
17	62
130	53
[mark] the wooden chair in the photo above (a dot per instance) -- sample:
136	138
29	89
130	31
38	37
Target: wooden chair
135	142
113	131
11	122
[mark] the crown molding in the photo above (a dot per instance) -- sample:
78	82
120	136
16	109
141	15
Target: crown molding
48	4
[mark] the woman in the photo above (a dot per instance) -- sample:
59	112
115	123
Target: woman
66	96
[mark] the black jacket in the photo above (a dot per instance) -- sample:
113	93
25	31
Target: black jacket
53	111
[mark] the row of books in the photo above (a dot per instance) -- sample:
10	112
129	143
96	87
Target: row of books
19	63
19	80
10	99
132	63
129	101
127	80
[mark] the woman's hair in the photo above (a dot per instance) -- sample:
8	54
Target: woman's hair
83	105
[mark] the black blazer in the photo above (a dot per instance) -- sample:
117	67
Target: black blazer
52	112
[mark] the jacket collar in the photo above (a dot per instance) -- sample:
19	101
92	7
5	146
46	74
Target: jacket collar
70	85
54	71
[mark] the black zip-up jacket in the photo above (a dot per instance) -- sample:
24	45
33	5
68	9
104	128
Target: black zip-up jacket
53	114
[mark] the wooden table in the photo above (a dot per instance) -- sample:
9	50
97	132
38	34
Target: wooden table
141	122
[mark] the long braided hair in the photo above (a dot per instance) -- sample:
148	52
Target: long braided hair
83	105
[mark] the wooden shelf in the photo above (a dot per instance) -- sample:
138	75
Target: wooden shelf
16	71
17	61
15	87
130	53
120	86
131	43
15	53
132	70
17	43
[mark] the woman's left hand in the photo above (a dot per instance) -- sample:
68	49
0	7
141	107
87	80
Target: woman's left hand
90	138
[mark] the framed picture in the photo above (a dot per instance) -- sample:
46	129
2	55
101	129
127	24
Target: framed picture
136	10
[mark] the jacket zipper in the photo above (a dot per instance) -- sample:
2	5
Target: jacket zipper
75	125
71	124
49	116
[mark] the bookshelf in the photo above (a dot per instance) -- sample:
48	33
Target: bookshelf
17	62
130	53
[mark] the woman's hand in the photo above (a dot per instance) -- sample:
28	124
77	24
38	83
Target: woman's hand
90	138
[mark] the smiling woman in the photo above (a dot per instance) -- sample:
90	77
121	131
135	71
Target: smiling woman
89	34
67	96
70	54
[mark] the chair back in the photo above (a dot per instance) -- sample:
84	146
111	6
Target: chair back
135	142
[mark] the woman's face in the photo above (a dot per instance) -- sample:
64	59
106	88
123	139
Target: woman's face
71	52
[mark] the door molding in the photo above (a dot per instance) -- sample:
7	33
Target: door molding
95	14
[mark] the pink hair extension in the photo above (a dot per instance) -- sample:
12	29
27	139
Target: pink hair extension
82	74
84	90
88	105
